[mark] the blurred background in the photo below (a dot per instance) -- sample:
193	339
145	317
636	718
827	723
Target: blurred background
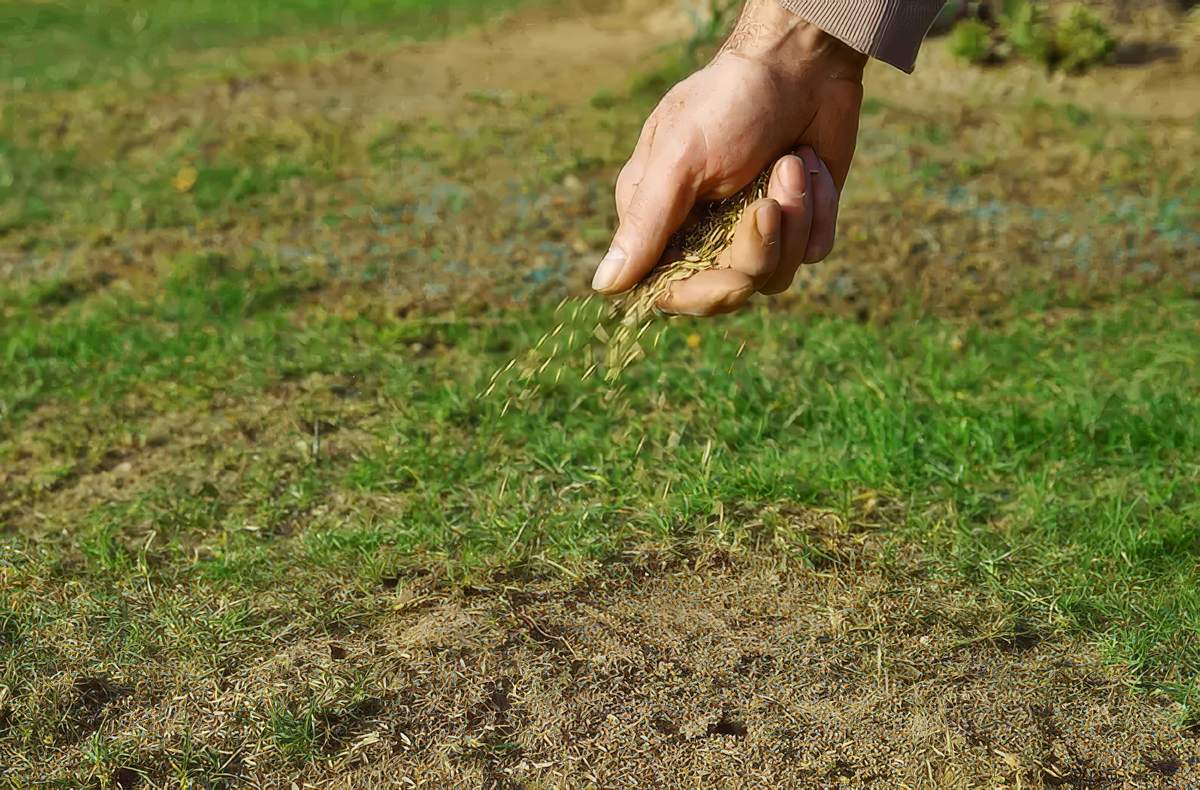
258	258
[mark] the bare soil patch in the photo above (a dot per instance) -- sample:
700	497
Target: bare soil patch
764	675
710	669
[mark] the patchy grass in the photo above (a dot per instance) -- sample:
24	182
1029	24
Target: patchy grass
243	326
313	461
1052	456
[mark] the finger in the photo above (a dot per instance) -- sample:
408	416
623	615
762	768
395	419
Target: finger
789	187
754	255
710	292
631	174
825	199
659	205
756	242
627	182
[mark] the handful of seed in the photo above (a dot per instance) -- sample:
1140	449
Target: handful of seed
620	326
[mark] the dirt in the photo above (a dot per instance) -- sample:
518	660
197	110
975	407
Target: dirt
696	669
740	674
160	446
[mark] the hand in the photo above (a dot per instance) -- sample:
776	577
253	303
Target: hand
778	85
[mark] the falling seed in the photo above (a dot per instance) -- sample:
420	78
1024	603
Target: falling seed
620	325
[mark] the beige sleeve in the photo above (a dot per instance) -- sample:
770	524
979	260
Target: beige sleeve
891	30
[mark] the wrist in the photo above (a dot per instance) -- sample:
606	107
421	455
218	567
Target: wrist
769	33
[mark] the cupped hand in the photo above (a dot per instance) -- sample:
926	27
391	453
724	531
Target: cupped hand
778	85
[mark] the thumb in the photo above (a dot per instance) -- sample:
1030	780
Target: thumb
658	208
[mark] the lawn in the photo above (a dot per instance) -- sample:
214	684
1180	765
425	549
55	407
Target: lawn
243	339
60	45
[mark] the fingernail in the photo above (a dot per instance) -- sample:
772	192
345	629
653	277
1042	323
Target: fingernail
766	220
608	270
791	173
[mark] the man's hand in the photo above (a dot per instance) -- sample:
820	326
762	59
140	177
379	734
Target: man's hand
778	85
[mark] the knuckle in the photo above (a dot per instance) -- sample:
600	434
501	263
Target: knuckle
736	299
675	159
727	301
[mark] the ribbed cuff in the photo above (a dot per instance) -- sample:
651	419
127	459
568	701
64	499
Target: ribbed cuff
890	30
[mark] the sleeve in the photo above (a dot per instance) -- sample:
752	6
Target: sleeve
890	30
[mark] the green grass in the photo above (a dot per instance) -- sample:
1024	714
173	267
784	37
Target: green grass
1052	458
62	45
205	454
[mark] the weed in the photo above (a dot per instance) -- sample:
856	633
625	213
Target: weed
971	40
1024	29
1081	40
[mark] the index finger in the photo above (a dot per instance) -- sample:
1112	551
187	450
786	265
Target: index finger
659	205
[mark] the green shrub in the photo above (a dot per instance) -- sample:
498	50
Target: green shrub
1081	40
971	40
1073	43
1025	31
